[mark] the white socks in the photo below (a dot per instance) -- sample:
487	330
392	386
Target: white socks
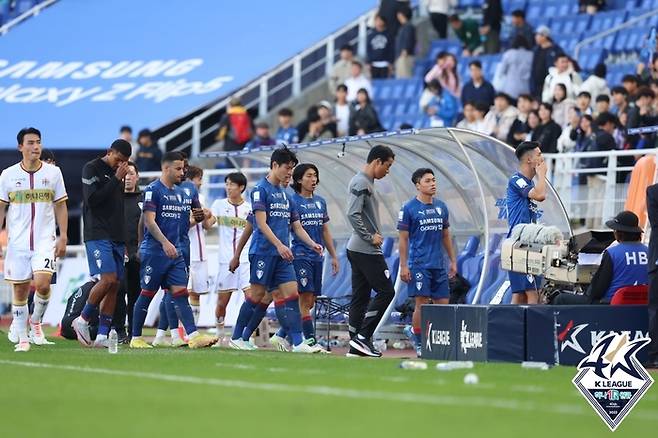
196	311
19	314
40	306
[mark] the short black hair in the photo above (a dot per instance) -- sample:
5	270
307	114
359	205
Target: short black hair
524	147
527	97
381	17
347	47
133	165
380	152
586	94
476	63
23	132
629	78
548	106
406	125
285	112
505	96
625	236
518	13
298	174
483	107
342	87
645	92
194	172
313	118
406	11
606	117
171	156
454	17
420	173
562	55
122	146
126	128
144	133
47	154
619	90
237	178
600	70
282	156
603	98
520	42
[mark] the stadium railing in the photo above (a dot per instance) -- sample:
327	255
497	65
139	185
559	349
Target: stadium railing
33	11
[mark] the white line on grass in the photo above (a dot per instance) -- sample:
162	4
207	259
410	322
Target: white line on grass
401	397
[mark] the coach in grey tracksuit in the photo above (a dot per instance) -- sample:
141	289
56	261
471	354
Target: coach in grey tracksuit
369	269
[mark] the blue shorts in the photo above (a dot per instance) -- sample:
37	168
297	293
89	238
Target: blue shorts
186	255
431	283
159	271
519	283
309	276
270	271
105	256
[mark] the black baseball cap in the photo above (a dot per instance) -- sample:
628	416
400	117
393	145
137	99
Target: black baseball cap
625	221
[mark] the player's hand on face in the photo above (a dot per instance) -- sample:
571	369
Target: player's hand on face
541	168
377	239
122	170
60	247
335	266
233	264
405	274
452	271
198	214
285	252
170	250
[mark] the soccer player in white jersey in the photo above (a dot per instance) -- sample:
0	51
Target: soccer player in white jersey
198	254
36	196
231	214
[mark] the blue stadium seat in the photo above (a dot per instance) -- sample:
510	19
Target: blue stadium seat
629	5
589	57
606	20
533	11
570	25
453	46
471	270
470	249
607	42
512	5
470	3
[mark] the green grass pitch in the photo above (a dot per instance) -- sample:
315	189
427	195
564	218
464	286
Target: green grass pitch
67	391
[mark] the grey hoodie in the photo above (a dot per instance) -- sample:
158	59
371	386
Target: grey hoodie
363	214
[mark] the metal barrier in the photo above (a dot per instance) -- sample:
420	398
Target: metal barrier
33	11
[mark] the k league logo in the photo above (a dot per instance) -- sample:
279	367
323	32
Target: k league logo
612	379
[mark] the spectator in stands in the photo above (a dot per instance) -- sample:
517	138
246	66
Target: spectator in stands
316	129
519	129
584	102
619	101
405	45
602	104
474	118
303	126
567	140
149	154
445	71
342	111
647	75
512	75
126	133
591	6
596	84
492	18
380	50
624	263
548	131
631	84
262	137
654	87
441	107
439	11
325	111
520	27
234	127
561	104
646	117
501	116
543	57
364	118
468	33
478	89
388	10
356	82
286	134
342	69
561	73
533	124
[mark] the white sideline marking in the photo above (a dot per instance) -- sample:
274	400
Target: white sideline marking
443	400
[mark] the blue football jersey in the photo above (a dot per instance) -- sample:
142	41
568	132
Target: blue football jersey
288	135
425	224
520	208
169	212
280	213
190	200
312	215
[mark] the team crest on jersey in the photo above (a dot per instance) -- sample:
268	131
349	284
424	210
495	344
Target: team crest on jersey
97	253
387	273
439	211
419	285
18	183
318	204
260	264
148	269
419	275
187	191
259	273
147	279
45	181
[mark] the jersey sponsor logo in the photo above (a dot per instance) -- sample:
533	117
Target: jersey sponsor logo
31	195
611	378
231	222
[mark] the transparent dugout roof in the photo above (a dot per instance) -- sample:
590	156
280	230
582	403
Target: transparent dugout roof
472	171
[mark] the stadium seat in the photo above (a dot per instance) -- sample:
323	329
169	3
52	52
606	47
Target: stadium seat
512	5
470	249
606	20
448	45
589	57
631	295
534	11
470	3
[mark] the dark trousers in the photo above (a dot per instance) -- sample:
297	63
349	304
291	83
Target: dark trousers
368	273
127	296
380	72
440	24
653	316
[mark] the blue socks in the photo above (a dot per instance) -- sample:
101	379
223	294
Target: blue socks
307	327
246	310
256	317
104	322
172	316
140	311
184	311
163	320
294	320
89	312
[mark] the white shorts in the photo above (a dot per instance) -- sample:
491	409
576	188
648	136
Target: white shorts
229	281
199	277
21	264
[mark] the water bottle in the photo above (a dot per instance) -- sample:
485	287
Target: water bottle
535	365
113	342
455	365
413	365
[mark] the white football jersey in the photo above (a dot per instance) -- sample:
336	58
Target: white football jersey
197	237
231	222
31	197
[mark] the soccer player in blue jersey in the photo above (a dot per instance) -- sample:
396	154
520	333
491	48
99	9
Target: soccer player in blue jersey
308	265
522	193
424	225
161	253
269	255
